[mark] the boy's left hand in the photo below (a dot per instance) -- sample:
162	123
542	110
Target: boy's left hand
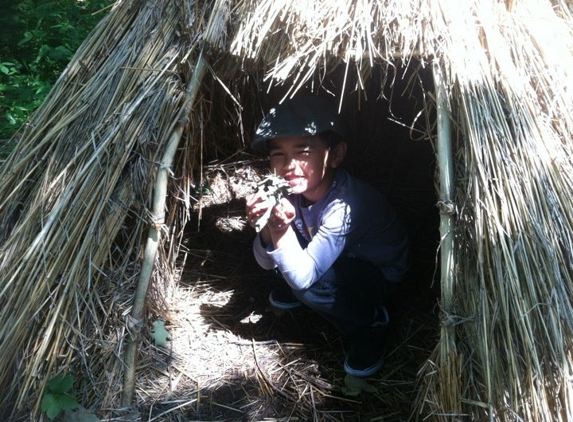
282	215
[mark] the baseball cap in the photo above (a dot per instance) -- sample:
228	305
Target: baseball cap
303	115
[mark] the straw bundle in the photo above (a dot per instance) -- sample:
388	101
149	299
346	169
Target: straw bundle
84	164
300	40
507	327
76	195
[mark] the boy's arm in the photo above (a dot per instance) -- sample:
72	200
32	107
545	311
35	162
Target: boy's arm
260	245
302	267
277	246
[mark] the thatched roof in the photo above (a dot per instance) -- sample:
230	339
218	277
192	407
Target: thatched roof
159	85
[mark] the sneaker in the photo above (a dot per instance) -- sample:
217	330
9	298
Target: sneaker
283	298
368	350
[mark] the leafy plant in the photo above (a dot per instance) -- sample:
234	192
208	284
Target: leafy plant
353	386
271	189
58	396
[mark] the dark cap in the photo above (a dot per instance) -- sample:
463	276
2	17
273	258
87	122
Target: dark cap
303	115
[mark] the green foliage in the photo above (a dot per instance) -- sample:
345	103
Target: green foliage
58	397
271	189
159	334
37	40
353	386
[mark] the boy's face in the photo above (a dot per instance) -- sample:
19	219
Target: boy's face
307	163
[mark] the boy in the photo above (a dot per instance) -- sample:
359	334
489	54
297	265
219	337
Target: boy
335	240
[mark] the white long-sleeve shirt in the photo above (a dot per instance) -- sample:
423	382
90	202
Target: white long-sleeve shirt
352	219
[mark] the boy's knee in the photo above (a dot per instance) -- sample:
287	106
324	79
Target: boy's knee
317	294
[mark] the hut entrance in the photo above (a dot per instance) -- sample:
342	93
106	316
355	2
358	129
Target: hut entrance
249	361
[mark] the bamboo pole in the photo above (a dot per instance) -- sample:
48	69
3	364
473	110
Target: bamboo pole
446	177
158	218
213	36
448	355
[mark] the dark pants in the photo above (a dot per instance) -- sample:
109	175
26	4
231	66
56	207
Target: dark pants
348	293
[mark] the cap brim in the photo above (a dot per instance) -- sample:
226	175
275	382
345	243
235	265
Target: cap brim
303	115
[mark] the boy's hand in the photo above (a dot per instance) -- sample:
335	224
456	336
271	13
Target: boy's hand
270	192
256	207
279	221
281	216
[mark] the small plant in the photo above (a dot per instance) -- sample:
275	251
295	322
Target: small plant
272	188
58	396
354	386
159	334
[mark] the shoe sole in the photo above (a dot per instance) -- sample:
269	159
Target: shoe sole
283	305
363	373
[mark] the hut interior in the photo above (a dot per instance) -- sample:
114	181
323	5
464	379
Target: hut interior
252	362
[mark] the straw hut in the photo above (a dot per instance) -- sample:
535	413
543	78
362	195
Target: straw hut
105	207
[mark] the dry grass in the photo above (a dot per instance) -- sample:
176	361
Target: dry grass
510	322
82	166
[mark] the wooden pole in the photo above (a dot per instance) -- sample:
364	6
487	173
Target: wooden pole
158	219
446	178
449	365
213	35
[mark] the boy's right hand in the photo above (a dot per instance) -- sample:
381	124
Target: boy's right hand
256	207
270	192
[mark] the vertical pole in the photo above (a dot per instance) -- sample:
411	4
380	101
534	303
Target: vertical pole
449	383
446	179
447	209
214	34
153	237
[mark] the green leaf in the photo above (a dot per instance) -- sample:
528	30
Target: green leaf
159	334
61	383
54	403
57	397
50	406
66	401
27	37
8	68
